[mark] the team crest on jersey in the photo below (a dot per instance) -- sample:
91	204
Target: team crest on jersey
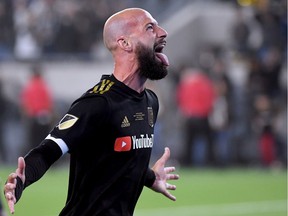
150	116
67	121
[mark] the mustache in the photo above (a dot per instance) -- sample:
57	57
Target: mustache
159	45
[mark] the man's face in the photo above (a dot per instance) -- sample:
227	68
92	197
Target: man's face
149	65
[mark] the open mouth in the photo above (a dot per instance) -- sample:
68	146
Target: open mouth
159	53
159	47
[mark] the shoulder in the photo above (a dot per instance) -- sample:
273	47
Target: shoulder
96	94
152	100
90	105
151	95
102	87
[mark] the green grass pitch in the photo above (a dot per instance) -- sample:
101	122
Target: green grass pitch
229	192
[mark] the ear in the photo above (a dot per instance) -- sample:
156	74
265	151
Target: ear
124	44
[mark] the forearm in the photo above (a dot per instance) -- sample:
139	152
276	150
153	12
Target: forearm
39	160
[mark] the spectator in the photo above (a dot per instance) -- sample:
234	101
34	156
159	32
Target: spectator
221	116
270	22
271	70
36	101
196	96
240	34
26	44
263	118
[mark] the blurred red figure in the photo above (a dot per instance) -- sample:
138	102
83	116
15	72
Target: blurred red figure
37	104
267	146
196	96
36	97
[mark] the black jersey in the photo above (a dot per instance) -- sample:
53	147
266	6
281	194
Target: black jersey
109	134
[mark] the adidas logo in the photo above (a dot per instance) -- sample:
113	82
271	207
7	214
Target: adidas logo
125	122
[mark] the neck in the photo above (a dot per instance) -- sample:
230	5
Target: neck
132	80
126	71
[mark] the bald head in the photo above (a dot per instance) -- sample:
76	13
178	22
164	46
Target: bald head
121	25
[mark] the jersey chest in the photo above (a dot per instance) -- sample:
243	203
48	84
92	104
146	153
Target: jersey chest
132	125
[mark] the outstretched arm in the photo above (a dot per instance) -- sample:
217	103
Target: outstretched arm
10	186
30	169
163	174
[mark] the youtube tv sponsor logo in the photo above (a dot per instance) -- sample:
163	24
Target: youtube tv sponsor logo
122	144
126	143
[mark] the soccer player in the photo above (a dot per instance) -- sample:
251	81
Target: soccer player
108	132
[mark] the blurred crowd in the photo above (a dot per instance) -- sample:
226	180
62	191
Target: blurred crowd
233	99
33	29
42	27
227	106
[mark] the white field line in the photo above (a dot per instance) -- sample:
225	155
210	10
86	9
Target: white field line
230	209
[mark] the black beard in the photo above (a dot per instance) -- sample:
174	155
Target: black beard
148	65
